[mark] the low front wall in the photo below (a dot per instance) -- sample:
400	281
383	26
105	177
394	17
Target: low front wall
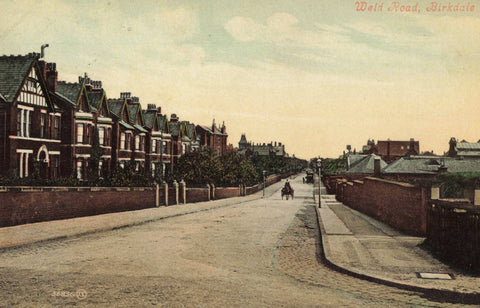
401	205
21	207
226	192
197	194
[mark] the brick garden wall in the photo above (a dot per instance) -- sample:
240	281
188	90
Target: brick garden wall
21	205
197	194
401	205
227	192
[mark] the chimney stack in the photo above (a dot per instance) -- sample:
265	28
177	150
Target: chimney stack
376	166
50	74
125	95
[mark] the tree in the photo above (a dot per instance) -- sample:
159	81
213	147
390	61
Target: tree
94	160
198	167
235	169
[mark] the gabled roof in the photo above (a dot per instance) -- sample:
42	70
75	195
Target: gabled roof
353	159
467	146
174	128
115	106
149	118
414	165
95	99
190	129
431	165
13	71
70	92
132	112
206	128
366	165
163	123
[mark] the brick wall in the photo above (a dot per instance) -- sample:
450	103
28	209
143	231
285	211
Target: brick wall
226	192
20	207
401	205
197	194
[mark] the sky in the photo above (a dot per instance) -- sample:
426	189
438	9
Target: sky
315	75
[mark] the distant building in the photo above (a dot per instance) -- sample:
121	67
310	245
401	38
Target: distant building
213	137
464	149
272	149
391	150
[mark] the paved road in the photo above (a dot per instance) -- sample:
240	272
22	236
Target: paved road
259	254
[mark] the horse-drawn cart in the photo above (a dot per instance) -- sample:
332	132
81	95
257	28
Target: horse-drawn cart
287	192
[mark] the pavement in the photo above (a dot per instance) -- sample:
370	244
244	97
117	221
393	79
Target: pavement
361	246
353	243
27	234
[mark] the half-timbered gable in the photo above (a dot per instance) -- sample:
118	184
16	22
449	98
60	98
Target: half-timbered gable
29	120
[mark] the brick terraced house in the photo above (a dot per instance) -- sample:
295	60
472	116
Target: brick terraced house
50	126
158	141
30	122
213	137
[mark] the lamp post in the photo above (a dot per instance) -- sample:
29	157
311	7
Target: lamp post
263	172
319	165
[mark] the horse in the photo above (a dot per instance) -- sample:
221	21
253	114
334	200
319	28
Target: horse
286	192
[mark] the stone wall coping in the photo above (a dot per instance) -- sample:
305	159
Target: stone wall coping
402	184
27	189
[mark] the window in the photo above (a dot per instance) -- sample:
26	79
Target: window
29	126
122	141
153	169
56	167
56	133
79	132
108	137
100	166
137	142
79	170
128	142
24	123
142	143
164	147
88	133
19	122
43	119
154	146
101	135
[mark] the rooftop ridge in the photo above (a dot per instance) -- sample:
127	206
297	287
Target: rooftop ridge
30	55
